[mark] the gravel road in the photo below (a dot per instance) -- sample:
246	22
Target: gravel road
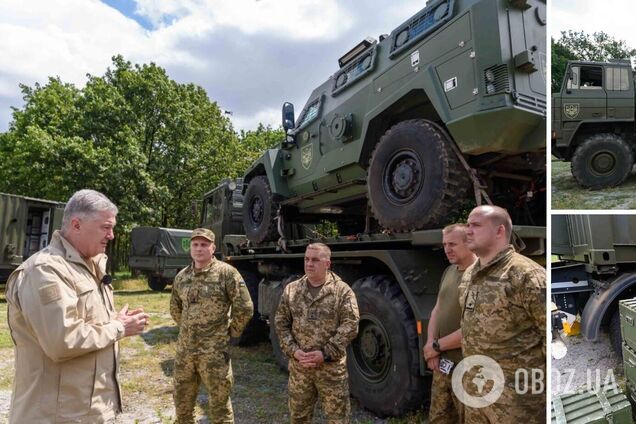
585	364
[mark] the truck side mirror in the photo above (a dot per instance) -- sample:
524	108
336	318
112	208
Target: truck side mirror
568	81
288	116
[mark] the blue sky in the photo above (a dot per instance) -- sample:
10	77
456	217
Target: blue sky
128	9
249	55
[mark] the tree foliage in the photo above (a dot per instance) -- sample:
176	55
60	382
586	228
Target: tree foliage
149	143
578	45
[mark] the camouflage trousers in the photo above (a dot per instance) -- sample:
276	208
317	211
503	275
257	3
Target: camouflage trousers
329	382
214	370
445	407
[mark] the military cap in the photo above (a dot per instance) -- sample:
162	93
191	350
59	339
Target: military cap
203	232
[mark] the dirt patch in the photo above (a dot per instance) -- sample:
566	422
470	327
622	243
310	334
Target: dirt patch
585	364
567	194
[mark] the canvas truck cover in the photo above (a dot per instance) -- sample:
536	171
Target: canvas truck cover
157	241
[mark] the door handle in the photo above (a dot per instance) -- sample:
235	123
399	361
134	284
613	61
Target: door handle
597	114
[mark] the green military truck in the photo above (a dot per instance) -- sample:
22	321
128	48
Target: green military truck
593	122
159	254
596	269
447	109
26	226
395	277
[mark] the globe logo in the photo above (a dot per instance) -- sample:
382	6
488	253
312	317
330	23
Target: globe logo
484	383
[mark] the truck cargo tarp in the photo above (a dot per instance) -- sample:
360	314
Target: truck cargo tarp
155	241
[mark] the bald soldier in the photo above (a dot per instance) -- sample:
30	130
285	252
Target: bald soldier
209	303
443	349
316	320
502	297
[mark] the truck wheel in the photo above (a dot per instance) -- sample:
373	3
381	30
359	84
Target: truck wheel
384	359
616	339
415	180
259	211
602	160
157	283
256	329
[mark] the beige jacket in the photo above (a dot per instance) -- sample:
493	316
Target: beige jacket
62	321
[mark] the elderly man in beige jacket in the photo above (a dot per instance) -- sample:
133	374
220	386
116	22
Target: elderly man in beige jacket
64	325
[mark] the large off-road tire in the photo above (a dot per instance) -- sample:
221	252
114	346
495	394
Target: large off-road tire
259	211
157	283
616	338
256	330
601	161
415	180
384	359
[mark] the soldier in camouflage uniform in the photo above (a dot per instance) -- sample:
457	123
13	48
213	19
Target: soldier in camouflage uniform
316	319
209	303
444	340
502	297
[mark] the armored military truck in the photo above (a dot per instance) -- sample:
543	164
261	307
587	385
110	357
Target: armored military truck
448	107
596	269
593	122
395	277
159	254
26	226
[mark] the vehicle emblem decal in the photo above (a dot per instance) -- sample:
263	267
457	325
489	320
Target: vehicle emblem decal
306	155
185	244
571	110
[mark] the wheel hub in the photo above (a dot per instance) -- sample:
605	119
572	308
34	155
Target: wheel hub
369	344
257	210
603	163
403	177
372	349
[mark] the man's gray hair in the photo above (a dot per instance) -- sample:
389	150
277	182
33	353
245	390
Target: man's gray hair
84	204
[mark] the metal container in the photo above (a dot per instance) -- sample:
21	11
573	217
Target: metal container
607	405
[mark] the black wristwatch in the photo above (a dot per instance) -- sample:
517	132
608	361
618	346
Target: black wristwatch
325	357
436	346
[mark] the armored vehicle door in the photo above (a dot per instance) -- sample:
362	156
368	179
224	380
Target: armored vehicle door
583	94
619	86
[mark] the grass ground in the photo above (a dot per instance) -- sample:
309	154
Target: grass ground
260	387
567	194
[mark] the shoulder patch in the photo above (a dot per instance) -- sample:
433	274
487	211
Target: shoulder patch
49	293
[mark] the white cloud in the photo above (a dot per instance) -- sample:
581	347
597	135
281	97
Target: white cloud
269	116
249	55
591	16
309	19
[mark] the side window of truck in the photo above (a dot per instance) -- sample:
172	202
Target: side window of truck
573	80
591	78
616	78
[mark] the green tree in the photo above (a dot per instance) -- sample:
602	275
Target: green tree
151	144
579	45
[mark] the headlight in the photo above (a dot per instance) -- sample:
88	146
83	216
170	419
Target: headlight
490	75
490	88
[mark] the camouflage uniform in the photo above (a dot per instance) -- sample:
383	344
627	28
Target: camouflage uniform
445	407
209	306
328	322
503	317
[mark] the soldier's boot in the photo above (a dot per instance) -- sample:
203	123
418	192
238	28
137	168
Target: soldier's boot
302	394
186	388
